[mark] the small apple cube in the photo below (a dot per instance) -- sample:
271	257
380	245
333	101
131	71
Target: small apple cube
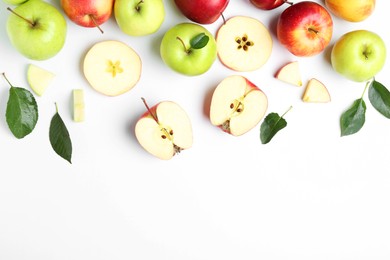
316	92
39	79
237	105
78	105
290	73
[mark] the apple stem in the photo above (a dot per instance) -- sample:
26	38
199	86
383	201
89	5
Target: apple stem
95	23
312	30
287	111
223	18
6	79
138	6
32	23
55	104
365	88
182	42
147	107
288	2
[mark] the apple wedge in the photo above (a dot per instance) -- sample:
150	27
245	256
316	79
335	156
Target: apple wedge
243	44
39	79
78	105
316	92
237	105
164	130
112	67
290	73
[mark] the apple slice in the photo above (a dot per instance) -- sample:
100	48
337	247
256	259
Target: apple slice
290	73
112	67
78	105
316	92
243	44
164	130
38	78
237	105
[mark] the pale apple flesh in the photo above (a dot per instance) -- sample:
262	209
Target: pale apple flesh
112	67
290	73
316	92
351	10
78	105
39	78
243	44
237	105
164	130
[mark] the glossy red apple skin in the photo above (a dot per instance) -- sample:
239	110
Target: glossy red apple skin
267	4
305	28
202	11
82	11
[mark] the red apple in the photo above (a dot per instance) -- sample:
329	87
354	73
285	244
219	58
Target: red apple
268	4
88	13
305	28
202	11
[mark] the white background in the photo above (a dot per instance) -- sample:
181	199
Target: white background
308	194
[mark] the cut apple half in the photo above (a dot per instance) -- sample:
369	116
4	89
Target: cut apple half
39	79
243	44
290	73
78	105
164	130
316	92
237	105
112	67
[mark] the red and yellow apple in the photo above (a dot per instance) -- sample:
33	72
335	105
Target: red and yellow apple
305	28
351	10
202	11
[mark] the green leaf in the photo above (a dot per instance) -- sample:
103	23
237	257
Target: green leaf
199	41
22	112
60	138
272	124
379	97
353	119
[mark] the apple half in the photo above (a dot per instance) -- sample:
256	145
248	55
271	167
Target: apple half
290	73
164	130
316	92
39	78
243	43
237	105
112	67
78	105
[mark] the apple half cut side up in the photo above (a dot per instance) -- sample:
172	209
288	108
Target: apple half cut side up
237	105
290	73
243	44
164	130
316	92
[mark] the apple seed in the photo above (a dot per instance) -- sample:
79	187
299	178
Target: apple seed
243	42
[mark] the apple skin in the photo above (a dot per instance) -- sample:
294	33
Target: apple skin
137	18
43	40
358	55
351	10
305	28
88	13
202	11
191	64
268	4
14	2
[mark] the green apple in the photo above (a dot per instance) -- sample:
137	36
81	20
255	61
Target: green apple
39	78
139	17
178	53
14	2
37	29
358	55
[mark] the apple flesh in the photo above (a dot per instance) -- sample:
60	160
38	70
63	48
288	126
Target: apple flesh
316	92
290	73
351	10
202	11
268	4
78	105
358	55
112	67
39	79
243	44
164	130
237	105
305	28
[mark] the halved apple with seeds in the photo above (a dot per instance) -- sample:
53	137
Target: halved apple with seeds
112	67
290	73
316	92
237	105
243	43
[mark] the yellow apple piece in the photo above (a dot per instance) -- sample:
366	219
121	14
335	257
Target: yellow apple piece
78	105
243	44
112	67
316	92
38	78
290	73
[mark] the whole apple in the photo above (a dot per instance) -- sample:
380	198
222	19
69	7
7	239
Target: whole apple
177	53
268	4
305	28
358	55
37	29
351	10
14	2
202	11
138	18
